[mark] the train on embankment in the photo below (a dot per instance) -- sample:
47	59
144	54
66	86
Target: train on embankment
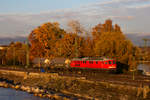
86	64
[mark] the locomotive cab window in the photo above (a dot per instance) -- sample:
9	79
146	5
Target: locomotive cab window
96	62
84	62
77	64
105	62
109	62
114	62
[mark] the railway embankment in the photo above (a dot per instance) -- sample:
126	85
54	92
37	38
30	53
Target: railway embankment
52	85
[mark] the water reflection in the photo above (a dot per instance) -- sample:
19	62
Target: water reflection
10	94
145	68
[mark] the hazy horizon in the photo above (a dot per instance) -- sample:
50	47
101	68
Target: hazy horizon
135	38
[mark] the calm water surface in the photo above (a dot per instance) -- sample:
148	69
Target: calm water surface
10	94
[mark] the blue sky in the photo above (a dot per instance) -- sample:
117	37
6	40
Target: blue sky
20	17
35	6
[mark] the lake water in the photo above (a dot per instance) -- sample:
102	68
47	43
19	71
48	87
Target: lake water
11	94
145	68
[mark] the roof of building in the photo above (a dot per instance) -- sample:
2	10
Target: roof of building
3	47
58	60
92	58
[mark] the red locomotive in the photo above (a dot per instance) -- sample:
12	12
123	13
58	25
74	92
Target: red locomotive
94	63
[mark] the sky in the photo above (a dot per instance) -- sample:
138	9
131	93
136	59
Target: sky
20	17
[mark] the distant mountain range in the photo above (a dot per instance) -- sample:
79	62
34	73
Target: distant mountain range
135	38
8	40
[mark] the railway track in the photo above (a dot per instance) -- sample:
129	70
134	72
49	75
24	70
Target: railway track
124	79
93	75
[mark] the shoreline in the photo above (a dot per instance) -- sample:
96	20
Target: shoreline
34	90
7	81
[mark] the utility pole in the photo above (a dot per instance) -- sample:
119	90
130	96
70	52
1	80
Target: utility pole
134	69
145	41
27	53
76	47
145	46
14	60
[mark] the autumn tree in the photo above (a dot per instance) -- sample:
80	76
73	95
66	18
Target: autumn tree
73	44
77	31
87	48
101	28
68	45
44	38
96	31
112	43
16	54
3	57
76	27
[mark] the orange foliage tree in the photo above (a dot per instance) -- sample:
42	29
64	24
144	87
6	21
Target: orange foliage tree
87	48
111	42
3	57
76	27
44	38
16	54
69	46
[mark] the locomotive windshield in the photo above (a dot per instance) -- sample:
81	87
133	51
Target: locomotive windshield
109	62
114	62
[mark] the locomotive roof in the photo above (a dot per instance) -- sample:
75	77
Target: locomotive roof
92	59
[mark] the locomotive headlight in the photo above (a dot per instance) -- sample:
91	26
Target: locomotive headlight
112	66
